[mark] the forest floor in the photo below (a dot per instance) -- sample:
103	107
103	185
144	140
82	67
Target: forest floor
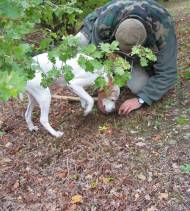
139	162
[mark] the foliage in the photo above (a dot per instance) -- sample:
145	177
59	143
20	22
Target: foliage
114	67
145	54
90	5
11	84
63	17
66	50
18	18
184	72
91	59
60	16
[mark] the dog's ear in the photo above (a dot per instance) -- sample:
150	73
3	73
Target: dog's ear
101	96
114	92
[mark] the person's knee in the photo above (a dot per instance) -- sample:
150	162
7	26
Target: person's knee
139	79
135	88
82	39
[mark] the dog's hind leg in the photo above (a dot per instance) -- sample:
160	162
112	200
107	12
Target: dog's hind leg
28	113
44	100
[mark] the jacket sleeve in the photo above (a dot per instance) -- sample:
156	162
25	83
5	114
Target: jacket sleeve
165	72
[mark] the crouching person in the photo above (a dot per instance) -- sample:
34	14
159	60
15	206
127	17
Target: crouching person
131	23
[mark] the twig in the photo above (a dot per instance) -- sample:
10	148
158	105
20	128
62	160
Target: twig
69	98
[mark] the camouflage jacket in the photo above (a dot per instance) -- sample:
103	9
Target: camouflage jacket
100	26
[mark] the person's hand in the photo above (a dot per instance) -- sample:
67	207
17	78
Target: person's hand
129	105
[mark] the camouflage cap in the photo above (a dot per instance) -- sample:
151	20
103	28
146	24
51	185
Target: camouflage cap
130	32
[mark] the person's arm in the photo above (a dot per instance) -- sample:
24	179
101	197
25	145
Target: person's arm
165	72
165	76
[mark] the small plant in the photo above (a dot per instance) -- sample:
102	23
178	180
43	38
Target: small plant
60	17
185	168
184	72
2	133
103	128
182	120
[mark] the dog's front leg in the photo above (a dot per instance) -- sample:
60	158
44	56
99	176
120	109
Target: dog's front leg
86	99
83	103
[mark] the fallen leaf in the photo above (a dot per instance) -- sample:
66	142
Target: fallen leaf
163	196
16	185
156	138
76	199
147	197
105	180
137	196
6	160
9	144
140	144
61	174
71	185
141	177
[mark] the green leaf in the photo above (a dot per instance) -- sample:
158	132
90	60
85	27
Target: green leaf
146	55
10	9
89	49
90	66
11	84
121	80
143	62
186	74
108	66
105	47
100	82
96	64
82	61
45	43
114	46
68	74
119	71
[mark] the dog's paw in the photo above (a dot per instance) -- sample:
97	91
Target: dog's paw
89	108
83	103
58	134
33	128
86	112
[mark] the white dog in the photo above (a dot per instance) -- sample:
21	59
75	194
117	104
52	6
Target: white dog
42	96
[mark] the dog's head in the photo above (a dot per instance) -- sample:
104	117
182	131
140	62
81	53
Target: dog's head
107	98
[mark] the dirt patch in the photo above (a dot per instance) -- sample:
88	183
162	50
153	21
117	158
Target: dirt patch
103	162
